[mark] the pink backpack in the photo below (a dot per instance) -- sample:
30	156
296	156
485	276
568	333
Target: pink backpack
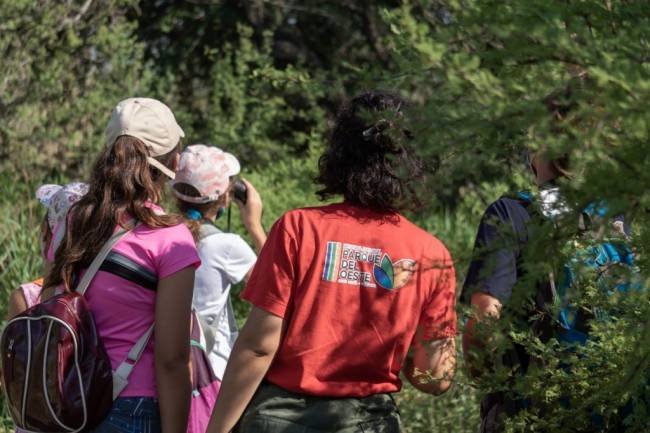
205	385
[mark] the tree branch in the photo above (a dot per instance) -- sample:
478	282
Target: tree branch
71	21
372	34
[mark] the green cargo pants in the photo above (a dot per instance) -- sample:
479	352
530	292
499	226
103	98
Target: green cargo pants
275	410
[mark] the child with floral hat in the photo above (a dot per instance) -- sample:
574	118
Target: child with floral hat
202	186
57	199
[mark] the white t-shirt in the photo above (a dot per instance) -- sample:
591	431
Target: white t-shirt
225	260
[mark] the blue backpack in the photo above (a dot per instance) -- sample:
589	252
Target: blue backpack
605	259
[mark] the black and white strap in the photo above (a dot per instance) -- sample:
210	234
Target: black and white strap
123	371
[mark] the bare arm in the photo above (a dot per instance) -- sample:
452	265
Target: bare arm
431	364
172	349
251	215
432	367
485	307
17	303
259	237
249	361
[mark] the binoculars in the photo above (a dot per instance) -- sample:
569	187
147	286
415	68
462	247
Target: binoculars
239	191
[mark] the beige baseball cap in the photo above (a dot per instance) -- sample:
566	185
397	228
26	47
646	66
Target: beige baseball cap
151	122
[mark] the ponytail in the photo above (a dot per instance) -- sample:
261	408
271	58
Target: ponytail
194	213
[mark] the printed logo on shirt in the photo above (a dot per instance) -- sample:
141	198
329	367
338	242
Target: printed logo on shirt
365	266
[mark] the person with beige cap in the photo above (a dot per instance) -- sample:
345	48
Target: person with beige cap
141	154
150	121
203	185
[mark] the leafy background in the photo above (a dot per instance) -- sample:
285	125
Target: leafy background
263	79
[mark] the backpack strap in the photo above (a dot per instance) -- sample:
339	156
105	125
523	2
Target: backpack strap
121	375
208	229
99	259
209	329
124	370
526	197
124	267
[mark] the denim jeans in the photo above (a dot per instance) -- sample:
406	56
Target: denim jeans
132	415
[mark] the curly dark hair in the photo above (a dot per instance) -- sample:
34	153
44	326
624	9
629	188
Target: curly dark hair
367	159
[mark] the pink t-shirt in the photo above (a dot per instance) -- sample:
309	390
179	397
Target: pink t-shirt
123	310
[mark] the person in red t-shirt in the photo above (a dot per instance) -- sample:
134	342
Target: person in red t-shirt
345	296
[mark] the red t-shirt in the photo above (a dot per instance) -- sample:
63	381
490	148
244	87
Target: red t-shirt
352	286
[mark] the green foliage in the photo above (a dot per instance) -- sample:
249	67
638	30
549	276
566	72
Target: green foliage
20	258
64	65
565	78
258	111
454	411
262	79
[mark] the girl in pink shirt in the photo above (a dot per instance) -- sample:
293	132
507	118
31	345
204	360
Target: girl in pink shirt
142	150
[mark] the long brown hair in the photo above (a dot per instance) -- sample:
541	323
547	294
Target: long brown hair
122	183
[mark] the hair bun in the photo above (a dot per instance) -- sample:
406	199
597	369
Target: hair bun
379	126
368	159
381	136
